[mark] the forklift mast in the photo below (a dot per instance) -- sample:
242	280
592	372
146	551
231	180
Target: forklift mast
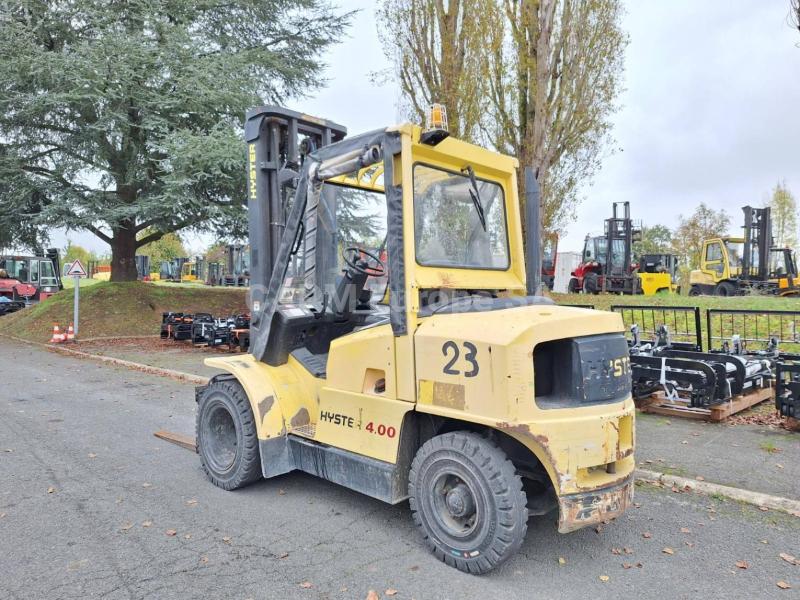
757	243
277	140
620	227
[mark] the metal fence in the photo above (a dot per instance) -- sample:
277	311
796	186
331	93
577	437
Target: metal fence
683	322
755	330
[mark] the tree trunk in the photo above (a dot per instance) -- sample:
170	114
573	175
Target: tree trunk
123	255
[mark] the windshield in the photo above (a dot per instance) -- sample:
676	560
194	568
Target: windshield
447	225
345	217
735	254
617	252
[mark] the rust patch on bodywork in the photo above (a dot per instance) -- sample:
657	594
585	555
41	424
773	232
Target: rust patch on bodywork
300	418
449	395
265	404
590	508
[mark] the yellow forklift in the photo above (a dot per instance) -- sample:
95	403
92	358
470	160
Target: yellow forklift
455	388
733	266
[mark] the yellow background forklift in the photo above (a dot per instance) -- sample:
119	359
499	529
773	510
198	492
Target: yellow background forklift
456	388
732	266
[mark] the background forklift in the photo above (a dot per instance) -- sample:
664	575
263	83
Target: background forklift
458	389
237	266
608	266
39	275
733	266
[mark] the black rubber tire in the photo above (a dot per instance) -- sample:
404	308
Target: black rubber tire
695	291
495	488
725	288
226	436
591	283
572	286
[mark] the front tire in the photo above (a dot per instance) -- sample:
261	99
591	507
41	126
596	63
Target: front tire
572	286
468	501
725	288
591	284
226	436
695	291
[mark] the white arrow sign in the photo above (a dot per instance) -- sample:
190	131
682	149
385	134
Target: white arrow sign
76	270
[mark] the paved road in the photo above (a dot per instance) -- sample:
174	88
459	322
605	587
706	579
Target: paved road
81	475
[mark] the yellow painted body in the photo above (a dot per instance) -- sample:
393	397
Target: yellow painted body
654	283
189	272
374	379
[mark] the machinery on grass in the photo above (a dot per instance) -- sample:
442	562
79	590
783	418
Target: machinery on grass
193	270
456	388
237	266
747	350
549	258
608	265
30	278
203	329
733	266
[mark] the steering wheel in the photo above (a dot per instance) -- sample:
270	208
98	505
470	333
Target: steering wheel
352	256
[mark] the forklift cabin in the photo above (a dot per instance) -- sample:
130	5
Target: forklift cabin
454	377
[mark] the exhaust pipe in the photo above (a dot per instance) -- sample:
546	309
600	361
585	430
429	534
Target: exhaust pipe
533	235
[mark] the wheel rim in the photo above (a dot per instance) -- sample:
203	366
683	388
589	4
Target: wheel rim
221	443
455	509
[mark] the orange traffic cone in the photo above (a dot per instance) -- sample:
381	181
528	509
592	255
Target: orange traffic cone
58	337
70	333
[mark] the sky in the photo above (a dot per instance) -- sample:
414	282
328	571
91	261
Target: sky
710	110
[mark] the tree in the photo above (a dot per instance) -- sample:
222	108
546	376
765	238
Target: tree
438	55
555	72
655	240
794	13
688	237
169	246
73	252
784	216
121	117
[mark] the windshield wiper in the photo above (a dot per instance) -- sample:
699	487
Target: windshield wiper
475	195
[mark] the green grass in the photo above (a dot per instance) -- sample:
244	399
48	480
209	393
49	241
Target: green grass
69	282
769	447
121	309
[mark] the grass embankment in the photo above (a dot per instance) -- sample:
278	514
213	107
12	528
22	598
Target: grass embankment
749	327
120	309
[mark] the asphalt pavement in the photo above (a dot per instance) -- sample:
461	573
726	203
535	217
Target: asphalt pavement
93	506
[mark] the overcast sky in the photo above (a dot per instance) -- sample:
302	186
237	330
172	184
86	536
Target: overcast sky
710	111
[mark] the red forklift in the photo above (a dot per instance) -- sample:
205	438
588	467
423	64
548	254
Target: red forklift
32	278
607	262
549	257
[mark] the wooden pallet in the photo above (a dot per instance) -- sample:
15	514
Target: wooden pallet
658	404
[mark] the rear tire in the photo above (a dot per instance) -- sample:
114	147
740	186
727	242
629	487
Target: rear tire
468	501
695	291
725	288
591	284
572	286
226	436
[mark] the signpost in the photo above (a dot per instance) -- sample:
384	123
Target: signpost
76	271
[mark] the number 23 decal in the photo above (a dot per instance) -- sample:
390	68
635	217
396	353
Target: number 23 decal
450	349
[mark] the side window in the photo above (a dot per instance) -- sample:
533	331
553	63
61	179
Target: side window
34	271
47	272
714	252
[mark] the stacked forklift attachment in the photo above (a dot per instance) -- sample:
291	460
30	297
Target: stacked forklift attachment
746	350
203	329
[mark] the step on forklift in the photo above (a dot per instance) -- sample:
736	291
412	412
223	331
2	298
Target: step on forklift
608	265
455	388
734	266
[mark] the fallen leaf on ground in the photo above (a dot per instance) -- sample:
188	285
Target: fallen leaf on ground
647	535
126	526
763	508
283	555
147	485
685	530
598	529
616	551
188	536
604	578
191	502
147	523
2	515
170	532
789	558
305	585
372	595
391	592
203	559
764	541
637	505
92	455
668	551
562	561
627	550
226	539
627	565
51	490
783	585
700	478
742	564
281	492
684	442
690	544
779	465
